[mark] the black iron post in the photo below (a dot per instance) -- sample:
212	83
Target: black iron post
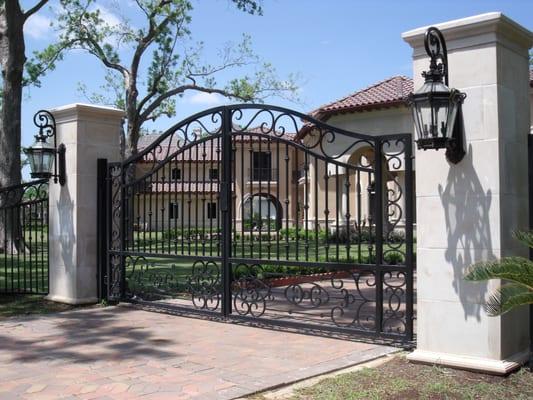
409	238
101	227
378	212
225	209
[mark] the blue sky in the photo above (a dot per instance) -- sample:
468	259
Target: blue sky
337	46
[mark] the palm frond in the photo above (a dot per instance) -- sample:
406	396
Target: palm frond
514	269
507	297
524	237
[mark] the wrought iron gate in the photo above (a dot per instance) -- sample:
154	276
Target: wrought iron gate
262	213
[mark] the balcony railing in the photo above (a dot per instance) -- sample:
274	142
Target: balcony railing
262	174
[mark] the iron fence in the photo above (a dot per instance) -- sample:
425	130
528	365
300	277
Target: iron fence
24	235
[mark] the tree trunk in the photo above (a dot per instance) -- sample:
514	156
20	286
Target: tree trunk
12	59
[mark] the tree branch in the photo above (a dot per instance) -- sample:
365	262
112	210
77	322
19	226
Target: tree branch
34	9
157	102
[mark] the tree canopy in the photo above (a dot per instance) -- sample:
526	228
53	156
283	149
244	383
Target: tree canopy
148	66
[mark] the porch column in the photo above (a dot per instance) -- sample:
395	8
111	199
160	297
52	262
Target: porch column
344	199
88	132
467	212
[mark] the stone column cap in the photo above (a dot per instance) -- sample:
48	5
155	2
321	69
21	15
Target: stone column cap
477	25
80	110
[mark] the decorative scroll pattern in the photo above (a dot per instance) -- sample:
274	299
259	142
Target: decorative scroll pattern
394	153
178	138
114	272
46	123
250	119
26	193
357	307
394	301
306	295
250	291
204	285
147	280
279	122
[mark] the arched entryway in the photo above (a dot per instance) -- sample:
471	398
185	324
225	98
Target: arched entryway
262	211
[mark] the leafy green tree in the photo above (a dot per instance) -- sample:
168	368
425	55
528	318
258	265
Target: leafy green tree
149	66
17	72
517	273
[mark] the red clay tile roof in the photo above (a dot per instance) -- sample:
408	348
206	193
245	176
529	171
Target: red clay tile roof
206	151
390	92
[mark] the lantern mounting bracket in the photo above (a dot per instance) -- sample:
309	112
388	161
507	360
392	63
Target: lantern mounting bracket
45	121
436	49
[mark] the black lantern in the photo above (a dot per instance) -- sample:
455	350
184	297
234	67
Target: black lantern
436	108
46	160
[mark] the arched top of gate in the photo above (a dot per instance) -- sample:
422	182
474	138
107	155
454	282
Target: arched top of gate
259	120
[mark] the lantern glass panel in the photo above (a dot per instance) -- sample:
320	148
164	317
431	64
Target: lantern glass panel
41	157
431	111
455	101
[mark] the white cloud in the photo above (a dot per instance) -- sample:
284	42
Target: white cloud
208	99
38	27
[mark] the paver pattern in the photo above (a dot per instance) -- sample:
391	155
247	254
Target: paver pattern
127	353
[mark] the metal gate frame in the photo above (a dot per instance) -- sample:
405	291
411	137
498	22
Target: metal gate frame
114	224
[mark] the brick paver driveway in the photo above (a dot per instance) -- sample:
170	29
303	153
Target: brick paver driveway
126	353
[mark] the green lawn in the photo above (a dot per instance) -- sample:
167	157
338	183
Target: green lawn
13	305
399	379
27	271
306	248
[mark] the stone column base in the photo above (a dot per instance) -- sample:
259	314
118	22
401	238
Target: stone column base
478	364
71	300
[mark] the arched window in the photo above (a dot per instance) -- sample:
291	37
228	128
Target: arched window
261	211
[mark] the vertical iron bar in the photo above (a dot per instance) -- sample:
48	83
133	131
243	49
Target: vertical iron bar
409	237
359	222
378	168
23	230
47	220
234	196
338	213
243	194
189	202
182	204
204	199
225	201
271	177
287	201
32	258
326	205
297	196
196	202
278	182
306	205
315	178
347	216
259	197
251	153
